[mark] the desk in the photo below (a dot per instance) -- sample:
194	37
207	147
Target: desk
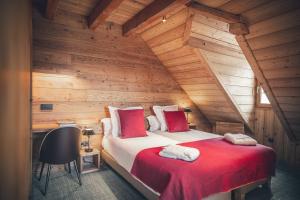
40	130
43	128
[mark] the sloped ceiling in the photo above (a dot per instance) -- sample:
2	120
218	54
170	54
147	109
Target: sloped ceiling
273	50
210	64
214	85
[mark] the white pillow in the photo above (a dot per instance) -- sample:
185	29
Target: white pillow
115	119
153	123
106	126
159	112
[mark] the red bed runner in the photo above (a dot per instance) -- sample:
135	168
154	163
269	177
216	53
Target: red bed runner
220	168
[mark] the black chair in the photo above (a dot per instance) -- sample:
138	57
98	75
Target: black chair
60	146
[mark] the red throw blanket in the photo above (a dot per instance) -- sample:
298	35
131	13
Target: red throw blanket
221	167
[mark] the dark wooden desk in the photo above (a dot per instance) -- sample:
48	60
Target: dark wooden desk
42	128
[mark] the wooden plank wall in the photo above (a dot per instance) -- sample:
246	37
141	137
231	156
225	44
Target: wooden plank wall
167	41
15	62
81	72
127	10
269	131
227	61
275	41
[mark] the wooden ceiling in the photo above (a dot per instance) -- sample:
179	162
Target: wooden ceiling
267	36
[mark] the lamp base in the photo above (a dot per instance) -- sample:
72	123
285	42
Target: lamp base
88	150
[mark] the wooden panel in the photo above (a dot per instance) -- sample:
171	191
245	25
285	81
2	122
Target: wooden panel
81	72
191	71
226	127
81	7
173	21
127	10
217	14
213	3
228	64
274	40
271	25
238	6
51	8
101	12
269	131
270	10
225	37
152	12
15	59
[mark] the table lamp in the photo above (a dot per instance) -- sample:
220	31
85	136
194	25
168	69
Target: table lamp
88	132
187	110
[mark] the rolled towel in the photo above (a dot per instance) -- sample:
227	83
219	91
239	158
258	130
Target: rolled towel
180	152
240	139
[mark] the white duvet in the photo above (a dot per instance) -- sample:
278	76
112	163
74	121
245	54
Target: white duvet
188	136
124	151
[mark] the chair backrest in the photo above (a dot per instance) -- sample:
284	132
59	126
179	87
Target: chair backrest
60	146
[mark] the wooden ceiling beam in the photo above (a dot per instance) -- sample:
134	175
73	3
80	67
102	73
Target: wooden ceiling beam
150	13
101	12
212	46
51	8
237	24
238	29
264	83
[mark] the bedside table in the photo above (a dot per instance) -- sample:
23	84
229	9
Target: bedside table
192	126
89	161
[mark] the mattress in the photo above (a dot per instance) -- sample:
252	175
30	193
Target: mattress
188	136
124	151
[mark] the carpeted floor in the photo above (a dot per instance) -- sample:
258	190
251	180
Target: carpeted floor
106	184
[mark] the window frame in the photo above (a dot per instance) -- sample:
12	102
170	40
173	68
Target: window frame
259	90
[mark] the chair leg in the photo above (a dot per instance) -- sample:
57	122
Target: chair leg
42	169
76	169
47	179
69	166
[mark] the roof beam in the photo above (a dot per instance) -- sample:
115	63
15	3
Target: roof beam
215	47
51	8
101	12
264	83
155	10
214	13
238	29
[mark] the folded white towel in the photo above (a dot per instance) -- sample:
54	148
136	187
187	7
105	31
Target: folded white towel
180	152
240	139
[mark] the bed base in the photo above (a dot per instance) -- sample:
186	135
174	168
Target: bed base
240	193
237	194
128	177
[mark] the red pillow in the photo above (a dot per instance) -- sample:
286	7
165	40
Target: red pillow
132	123
176	121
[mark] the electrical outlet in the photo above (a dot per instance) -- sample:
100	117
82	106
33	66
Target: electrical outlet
46	107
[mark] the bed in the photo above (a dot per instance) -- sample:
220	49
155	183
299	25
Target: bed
188	136
121	154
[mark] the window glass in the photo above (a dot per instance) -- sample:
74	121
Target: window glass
263	97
